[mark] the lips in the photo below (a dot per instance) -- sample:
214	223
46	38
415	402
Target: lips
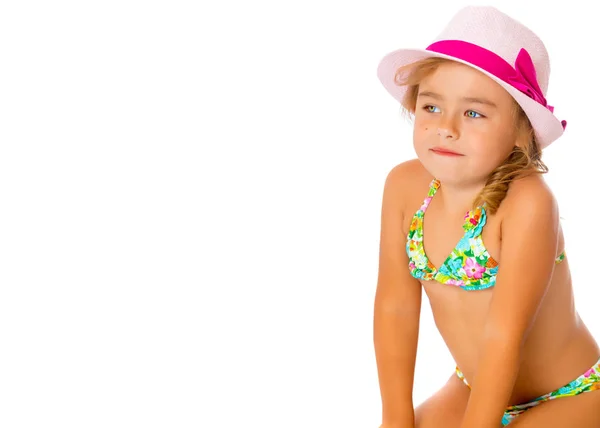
442	151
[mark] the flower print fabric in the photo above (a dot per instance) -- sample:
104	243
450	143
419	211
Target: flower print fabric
468	266
589	381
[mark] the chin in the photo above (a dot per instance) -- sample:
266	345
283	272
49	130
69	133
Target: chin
438	168
446	174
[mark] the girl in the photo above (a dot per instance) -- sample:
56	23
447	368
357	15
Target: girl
497	278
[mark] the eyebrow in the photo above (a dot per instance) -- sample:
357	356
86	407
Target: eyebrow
468	99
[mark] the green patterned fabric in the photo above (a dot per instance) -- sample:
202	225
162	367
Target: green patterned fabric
468	266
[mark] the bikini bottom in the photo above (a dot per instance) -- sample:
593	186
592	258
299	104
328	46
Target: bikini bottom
588	381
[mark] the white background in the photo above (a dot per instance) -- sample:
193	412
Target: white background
190	205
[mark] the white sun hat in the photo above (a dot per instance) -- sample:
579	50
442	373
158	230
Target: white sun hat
501	48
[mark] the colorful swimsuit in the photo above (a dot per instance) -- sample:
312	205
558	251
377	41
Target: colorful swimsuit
588	381
468	266
471	267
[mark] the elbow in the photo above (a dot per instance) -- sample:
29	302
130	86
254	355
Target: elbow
394	307
504	339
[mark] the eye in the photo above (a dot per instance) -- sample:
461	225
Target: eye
428	108
473	114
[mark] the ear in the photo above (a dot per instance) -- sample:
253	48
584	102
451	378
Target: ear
524	137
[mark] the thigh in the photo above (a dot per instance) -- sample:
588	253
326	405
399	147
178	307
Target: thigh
579	411
445	408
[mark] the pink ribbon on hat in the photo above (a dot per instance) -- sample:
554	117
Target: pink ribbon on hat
522	76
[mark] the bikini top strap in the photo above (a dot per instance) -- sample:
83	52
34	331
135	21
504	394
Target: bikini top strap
433	187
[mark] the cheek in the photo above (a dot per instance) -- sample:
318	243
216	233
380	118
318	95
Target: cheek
421	128
492	155
492	139
420	139
500	130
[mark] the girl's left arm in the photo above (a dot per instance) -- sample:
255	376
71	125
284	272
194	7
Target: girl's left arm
529	244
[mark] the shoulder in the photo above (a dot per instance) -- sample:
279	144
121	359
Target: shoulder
406	186
408	177
529	199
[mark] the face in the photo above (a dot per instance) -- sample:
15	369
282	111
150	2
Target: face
464	125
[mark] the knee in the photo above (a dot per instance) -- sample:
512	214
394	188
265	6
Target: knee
437	416
445	408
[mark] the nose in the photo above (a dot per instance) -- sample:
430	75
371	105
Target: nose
446	133
446	128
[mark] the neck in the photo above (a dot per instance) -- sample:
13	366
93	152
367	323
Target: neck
457	198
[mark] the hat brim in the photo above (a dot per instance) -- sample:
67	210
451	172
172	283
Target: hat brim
546	125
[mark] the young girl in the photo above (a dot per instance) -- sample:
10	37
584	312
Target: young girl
497	278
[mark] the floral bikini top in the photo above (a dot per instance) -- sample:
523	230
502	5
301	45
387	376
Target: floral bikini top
468	266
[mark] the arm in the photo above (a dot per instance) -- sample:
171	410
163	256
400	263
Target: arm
529	243
396	312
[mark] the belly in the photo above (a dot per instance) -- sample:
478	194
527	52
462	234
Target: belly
460	318
558	349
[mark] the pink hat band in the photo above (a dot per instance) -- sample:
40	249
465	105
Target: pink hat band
521	77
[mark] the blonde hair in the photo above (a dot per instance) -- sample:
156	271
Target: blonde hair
525	158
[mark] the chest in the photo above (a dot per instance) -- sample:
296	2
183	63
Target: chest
441	233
